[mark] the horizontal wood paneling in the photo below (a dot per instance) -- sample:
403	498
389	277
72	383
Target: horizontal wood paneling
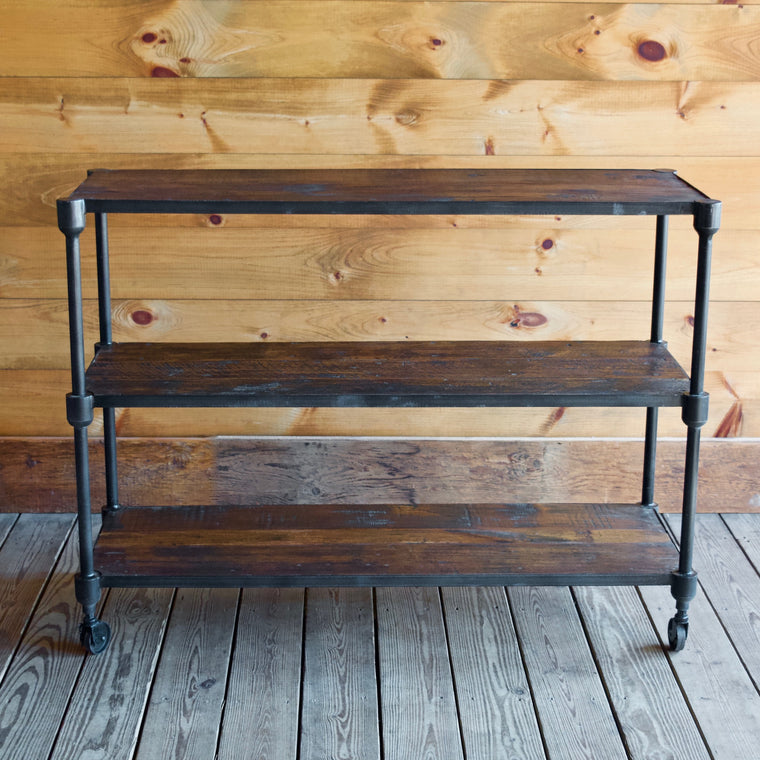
38	474
36	180
404	116
733	342
301	38
386	83
225	262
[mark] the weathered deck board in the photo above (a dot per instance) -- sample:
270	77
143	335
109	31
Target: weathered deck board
340	707
261	715
575	717
185	707
721	694
326	674
106	708
417	702
638	679
26	557
495	706
37	687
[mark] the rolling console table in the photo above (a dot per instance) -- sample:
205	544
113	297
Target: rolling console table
395	544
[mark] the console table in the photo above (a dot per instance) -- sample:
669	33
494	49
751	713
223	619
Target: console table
395	544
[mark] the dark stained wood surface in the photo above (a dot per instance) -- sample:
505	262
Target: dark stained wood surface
426	191
449	544
386	374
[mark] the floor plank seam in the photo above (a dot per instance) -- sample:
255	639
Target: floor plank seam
601	675
159	658
75	683
230	662
726	629
674	670
528	678
740	544
302	677
378	682
445	620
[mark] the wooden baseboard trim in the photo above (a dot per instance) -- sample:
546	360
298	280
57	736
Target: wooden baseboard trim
37	474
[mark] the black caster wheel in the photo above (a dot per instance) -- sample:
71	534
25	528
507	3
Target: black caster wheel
94	636
677	633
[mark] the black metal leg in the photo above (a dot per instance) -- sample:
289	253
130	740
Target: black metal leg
694	413
650	458
106	337
658	313
94	633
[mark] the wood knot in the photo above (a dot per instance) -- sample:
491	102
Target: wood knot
408	117
142	317
651	50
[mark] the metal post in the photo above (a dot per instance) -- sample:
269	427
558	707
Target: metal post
695	407
658	312
106	338
79	410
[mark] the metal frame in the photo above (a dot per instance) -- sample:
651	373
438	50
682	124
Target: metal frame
79	403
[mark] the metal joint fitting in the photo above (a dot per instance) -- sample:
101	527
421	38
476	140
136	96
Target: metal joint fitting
683	585
694	409
707	217
71	216
80	410
87	589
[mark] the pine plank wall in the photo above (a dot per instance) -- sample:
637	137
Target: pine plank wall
397	83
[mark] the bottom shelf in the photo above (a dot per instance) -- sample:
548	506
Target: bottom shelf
385	545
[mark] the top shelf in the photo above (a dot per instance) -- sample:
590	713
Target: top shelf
390	191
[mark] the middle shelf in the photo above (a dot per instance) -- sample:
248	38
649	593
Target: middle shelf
387	374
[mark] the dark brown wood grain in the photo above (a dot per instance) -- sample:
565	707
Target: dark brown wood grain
411	191
415	373
449	544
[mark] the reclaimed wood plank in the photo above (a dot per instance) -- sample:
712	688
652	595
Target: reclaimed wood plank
383	373
184	712
722	697
419	714
731	584
262	705
650	709
493	695
415	117
37	687
27	557
106	709
324	545
339	715
572	707
504	40
38	474
384	191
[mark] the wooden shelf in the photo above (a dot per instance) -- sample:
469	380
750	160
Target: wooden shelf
389	191
329	545
383	374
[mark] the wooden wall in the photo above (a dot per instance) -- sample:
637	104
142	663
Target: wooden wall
344	83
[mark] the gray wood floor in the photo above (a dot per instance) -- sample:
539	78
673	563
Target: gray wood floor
417	674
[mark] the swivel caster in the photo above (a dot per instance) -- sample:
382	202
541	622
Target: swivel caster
94	635
677	633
